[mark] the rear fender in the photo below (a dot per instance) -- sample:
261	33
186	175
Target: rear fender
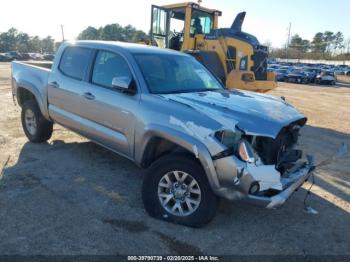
37	95
33	79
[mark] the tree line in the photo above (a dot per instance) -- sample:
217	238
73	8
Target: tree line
13	40
112	32
326	45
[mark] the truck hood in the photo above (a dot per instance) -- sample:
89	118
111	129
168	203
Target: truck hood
255	114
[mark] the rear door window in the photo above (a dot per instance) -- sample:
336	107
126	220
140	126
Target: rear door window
107	66
74	62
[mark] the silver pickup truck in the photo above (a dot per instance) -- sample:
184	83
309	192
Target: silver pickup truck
169	114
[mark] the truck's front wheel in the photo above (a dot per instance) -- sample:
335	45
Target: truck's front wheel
35	126
176	189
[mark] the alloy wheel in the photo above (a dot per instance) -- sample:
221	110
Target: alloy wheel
179	193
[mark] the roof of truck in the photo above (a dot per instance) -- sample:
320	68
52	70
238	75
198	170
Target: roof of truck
129	47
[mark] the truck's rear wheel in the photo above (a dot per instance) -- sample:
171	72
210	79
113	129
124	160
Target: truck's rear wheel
176	189
35	126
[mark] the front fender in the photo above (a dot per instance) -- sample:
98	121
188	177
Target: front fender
182	139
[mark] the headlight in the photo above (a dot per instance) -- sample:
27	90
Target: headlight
245	151
243	64
236	145
228	138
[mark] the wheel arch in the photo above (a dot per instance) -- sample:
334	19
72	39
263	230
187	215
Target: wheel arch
170	141
26	92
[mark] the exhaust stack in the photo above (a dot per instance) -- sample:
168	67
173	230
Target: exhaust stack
237	23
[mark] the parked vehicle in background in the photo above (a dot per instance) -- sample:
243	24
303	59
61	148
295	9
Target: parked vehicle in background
297	76
274	66
166	112
339	72
288	68
49	57
281	74
326	77
12	54
312	73
23	57
4	58
36	56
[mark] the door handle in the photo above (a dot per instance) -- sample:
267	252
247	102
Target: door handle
89	96
54	84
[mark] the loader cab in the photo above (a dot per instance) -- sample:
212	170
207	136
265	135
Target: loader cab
177	26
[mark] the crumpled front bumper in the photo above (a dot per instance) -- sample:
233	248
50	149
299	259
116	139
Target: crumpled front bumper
236	186
292	183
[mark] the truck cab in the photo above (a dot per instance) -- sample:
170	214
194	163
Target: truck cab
177	26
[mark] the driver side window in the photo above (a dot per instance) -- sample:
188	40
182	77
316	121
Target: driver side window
107	66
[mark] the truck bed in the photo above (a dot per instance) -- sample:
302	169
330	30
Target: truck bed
43	64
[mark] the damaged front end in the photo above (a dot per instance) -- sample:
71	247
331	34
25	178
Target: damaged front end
261	170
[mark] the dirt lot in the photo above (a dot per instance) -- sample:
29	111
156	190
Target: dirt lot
70	196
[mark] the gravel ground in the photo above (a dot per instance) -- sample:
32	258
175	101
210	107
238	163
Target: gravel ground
70	196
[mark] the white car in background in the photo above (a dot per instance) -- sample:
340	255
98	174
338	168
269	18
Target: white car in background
326	77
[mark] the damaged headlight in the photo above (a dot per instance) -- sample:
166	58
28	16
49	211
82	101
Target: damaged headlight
228	138
236	145
245	151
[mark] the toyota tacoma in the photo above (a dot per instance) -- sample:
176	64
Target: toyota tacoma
170	115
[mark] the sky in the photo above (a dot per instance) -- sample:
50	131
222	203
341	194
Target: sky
268	20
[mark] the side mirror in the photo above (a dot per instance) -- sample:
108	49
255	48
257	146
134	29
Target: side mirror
124	84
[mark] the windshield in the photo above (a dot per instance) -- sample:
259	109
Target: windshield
166	74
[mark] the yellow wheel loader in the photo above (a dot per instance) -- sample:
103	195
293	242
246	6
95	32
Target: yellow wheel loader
235	57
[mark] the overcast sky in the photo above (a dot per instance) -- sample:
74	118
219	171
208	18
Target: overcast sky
266	19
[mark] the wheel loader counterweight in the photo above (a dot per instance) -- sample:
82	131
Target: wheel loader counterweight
235	57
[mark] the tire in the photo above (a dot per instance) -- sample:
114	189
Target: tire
153	183
333	83
35	126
